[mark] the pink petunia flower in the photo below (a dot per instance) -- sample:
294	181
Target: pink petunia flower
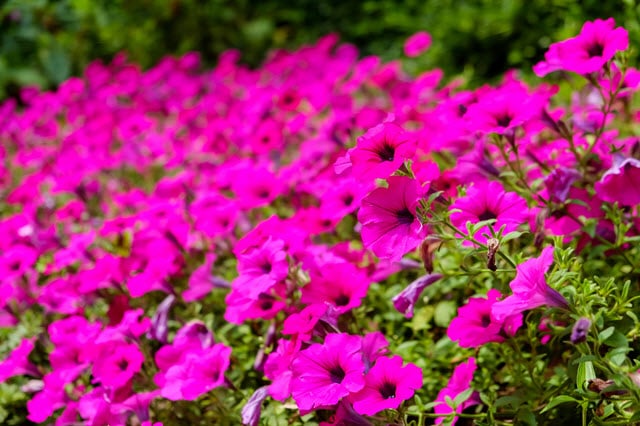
530	288
387	385
325	373
621	183
17	363
459	382
417	44
340	284
596	44
198	372
116	363
390	227
380	151
474	326
488	200
503	109
277	368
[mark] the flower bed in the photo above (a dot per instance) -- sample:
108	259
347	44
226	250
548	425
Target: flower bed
323	240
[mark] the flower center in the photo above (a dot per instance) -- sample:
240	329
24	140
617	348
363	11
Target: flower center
387	152
487	215
336	374
504	120
342	300
485	320
123	364
405	216
388	390
595	49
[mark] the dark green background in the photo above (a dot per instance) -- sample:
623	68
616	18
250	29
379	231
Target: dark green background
45	41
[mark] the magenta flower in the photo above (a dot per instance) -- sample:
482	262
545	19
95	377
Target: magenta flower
302	323
325	373
405	301
417	44
390	227
474	326
198	372
116	363
488	200
277	368
530	288
387	385
596	44
502	110
340	284
17	363
621	183
459	382
268	260
380	152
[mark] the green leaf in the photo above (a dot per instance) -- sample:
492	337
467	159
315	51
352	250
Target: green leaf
444	313
560	399
605	334
586	373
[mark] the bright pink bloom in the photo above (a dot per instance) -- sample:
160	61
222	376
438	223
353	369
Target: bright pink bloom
530	288
621	183
325	373
277	368
303	322
474	326
198	372
417	44
340	284
459	382
390	226
387	385
381	151
503	109
489	200
268	260
17	363
116	363
596	44
405	301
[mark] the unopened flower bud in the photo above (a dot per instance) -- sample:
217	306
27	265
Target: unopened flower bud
492	248
580	330
427	249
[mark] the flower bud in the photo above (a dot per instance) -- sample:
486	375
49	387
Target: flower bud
493	244
580	330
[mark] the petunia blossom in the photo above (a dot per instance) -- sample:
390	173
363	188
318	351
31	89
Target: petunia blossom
474	326
325	373
417	44
459	382
530	288
390	226
596	44
387	385
381	151
621	183
488	200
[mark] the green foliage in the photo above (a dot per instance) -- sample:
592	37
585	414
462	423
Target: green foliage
43	42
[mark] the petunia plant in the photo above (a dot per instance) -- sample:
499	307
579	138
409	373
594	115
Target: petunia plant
324	240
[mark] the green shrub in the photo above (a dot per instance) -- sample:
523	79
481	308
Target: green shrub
43	42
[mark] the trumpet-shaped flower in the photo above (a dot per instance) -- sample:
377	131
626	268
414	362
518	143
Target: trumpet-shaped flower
325	373
390	226
489	200
387	385
530	288
596	44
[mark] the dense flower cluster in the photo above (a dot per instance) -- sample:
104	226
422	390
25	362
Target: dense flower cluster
154	222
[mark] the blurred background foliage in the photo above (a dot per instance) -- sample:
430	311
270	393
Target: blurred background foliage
43	42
